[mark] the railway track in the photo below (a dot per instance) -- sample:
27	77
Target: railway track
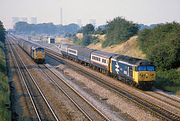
85	107
162	112
172	97
28	100
40	104
165	98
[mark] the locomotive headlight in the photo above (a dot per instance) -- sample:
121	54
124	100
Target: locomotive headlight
152	74
141	75
146	75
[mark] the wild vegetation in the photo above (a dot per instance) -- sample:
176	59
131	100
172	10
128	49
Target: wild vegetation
4	87
87	39
119	30
162	46
2	32
160	43
45	28
169	80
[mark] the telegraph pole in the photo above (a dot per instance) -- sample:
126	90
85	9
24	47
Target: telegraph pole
61	16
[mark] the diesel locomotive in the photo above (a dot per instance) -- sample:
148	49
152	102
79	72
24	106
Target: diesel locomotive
36	52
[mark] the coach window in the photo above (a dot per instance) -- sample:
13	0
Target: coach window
72	51
94	58
104	60
99	59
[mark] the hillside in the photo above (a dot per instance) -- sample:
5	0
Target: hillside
130	48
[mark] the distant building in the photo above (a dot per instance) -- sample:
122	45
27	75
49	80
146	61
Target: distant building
15	20
18	19
61	16
51	40
79	22
33	20
24	19
93	22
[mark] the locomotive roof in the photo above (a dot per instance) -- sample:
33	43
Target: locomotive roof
65	44
131	60
85	51
33	45
74	47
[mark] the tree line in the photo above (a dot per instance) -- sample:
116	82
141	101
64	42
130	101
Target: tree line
160	42
162	45
45	28
117	30
2	32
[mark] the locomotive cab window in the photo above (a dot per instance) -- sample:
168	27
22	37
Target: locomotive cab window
40	49
141	68
146	68
150	68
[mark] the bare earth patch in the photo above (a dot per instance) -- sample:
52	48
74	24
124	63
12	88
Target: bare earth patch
130	48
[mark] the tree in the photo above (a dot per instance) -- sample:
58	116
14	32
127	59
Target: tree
2	32
119	29
162	45
101	30
87	39
45	28
88	29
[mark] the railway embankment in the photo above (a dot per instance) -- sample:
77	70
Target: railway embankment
5	113
167	80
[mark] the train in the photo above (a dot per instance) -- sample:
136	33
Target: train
37	53
134	71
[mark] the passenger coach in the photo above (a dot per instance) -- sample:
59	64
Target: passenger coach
36	52
101	61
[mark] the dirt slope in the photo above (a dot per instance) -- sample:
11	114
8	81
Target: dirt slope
130	48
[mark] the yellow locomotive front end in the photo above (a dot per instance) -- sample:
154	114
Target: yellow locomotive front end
39	55
144	76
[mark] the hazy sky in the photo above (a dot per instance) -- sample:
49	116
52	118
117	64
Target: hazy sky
139	11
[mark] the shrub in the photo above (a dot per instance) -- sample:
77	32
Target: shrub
119	30
168	80
162	45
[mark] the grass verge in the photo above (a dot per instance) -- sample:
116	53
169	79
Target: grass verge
5	114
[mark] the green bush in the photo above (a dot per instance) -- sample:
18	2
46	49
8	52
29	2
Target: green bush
95	41
168	80
4	88
109	43
87	39
88	29
162	45
2	32
119	30
77	41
